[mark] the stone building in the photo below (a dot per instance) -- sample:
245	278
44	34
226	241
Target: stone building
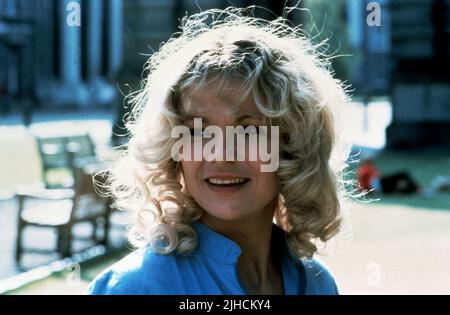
59	53
420	81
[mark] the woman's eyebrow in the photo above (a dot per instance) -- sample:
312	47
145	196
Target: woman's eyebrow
247	116
189	117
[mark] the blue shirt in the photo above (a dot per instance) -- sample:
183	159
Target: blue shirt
210	269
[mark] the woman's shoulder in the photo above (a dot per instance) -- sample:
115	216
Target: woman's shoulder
140	272
319	278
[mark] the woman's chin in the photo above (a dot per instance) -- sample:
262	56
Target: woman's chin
226	214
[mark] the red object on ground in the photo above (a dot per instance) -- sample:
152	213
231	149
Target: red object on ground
366	173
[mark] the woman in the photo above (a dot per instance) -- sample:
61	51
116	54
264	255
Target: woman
224	226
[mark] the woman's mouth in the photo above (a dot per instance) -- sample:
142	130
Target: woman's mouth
218	181
228	185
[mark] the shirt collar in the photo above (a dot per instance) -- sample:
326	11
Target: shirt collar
223	250
216	246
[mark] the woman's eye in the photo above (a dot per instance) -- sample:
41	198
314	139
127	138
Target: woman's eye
197	132
247	130
251	129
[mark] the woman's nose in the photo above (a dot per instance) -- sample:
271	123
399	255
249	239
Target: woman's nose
220	151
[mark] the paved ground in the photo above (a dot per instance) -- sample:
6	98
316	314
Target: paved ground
393	249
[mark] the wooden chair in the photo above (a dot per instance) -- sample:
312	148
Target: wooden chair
62	209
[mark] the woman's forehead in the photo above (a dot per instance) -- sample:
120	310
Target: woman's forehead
206	99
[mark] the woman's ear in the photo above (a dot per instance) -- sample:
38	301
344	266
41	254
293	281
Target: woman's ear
178	171
280	215
180	178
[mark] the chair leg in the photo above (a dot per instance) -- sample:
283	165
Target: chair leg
19	249
106	228
94	230
64	241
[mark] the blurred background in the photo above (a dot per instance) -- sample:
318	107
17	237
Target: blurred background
65	67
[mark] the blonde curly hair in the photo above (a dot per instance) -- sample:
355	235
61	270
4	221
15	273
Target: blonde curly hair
291	85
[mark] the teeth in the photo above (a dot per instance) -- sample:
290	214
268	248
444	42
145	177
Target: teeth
217	181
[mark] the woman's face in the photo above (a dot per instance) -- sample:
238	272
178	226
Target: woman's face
251	192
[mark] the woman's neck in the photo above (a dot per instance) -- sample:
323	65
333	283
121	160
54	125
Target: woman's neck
253	234
257	267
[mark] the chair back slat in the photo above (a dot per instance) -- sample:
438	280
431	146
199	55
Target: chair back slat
65	152
53	152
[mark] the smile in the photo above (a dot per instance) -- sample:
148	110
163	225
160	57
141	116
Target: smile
217	181
225	185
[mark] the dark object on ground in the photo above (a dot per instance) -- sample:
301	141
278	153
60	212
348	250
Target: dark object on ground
369	180
398	183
